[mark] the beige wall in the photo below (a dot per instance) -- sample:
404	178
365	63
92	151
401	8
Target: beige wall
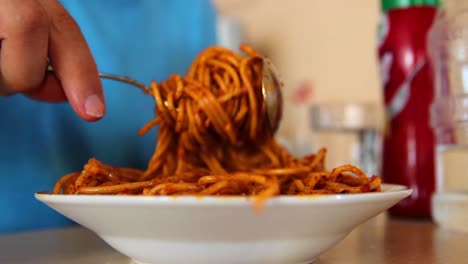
332	44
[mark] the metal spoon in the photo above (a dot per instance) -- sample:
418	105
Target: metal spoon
272	95
271	91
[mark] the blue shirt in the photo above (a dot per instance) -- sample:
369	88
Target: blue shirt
39	142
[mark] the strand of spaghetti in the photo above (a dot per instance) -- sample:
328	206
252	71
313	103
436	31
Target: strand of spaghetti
170	188
200	59
164	141
231	58
242	113
204	103
337	187
180	118
164	88
227	68
251	95
179	86
193	86
181	150
201	73
171	109
180	187
207	78
347	168
156	94
220	83
69	188
272	190
160	103
170	160
283	171
231	101
299	185
113	189
312	179
269	153
321	191
375	183
228	97
215	188
191	72
212	163
350	180
226	78
291	188
87	178
244	177
249	50
58	185
281	152
228	92
219	114
319	158
148	126
187	143
192	126
198	119
214	111
211	102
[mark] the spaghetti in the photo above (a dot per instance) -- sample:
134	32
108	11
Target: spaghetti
213	140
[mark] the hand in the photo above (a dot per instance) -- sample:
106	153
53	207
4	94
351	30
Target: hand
35	31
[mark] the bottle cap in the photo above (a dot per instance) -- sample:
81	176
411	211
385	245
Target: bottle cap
388	5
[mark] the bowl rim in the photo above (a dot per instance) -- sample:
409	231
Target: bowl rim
391	191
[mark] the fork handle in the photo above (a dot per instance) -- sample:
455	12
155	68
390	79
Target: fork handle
115	77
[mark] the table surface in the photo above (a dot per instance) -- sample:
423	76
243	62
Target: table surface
380	240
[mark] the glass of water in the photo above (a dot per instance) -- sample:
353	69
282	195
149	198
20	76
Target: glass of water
351	132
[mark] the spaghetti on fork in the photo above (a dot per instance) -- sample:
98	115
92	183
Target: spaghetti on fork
213	140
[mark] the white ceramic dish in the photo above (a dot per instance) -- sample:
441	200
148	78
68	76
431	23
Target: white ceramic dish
174	230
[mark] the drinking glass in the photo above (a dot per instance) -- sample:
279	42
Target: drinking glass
351	132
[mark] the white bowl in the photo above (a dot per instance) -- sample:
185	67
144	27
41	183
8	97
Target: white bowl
207	230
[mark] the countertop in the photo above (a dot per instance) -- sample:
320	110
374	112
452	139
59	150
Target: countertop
380	240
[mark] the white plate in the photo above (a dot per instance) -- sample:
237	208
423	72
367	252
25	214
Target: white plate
172	230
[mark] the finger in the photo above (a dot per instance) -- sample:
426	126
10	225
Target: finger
73	63
50	90
23	54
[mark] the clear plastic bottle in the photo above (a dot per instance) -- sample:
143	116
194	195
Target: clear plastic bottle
448	47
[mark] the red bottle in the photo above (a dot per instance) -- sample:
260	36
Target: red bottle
408	150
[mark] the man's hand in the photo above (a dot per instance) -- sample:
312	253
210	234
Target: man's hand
33	32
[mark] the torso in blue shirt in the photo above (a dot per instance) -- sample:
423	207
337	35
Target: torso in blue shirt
144	39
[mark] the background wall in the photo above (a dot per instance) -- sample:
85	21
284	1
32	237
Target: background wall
325	50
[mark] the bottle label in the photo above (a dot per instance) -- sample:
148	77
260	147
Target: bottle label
384	28
401	97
